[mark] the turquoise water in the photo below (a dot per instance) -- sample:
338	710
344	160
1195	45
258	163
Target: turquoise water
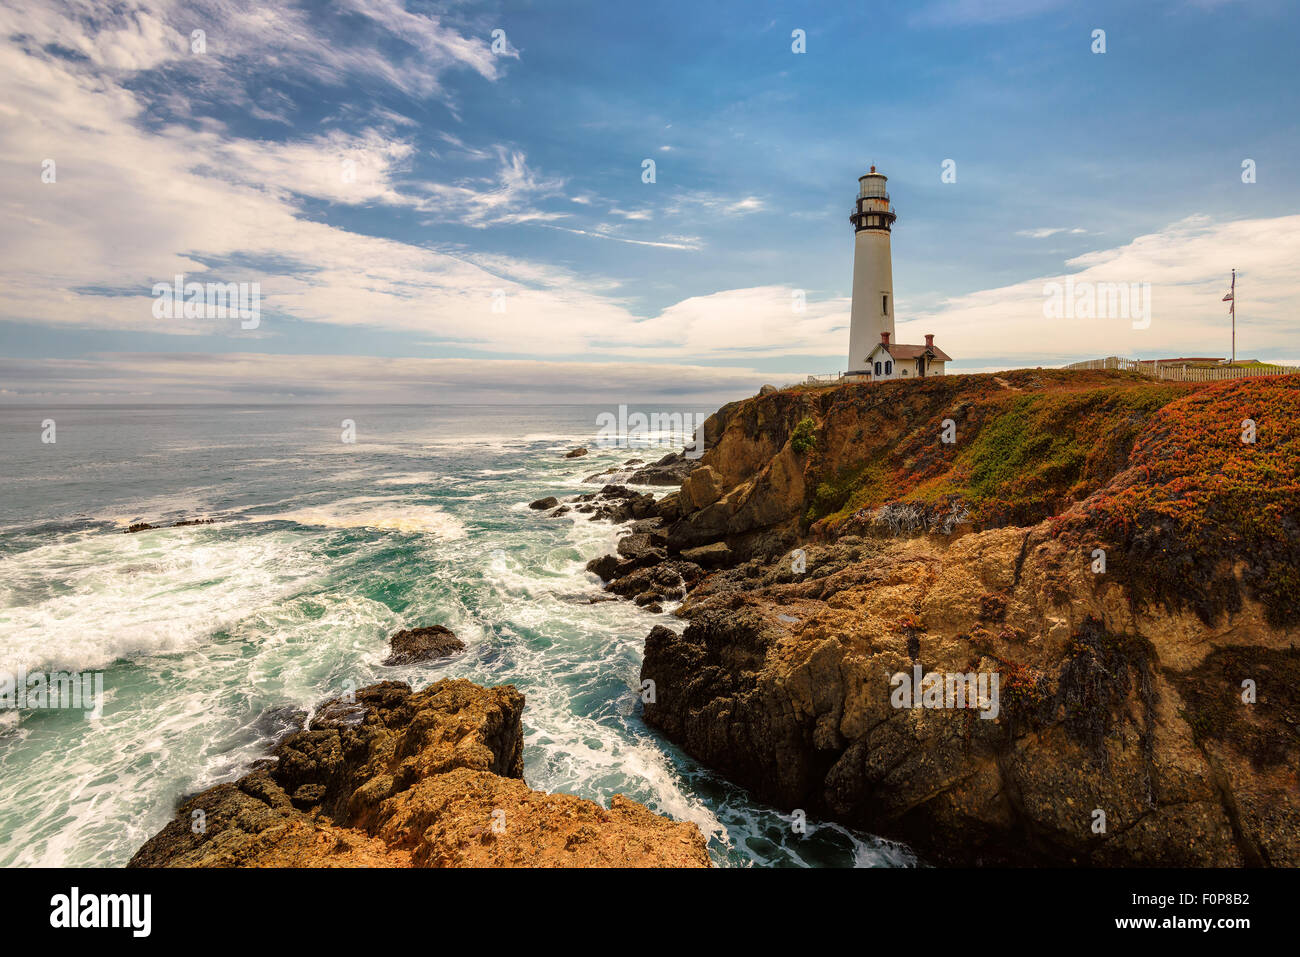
207	634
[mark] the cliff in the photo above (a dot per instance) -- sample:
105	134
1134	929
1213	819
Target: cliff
412	779
1111	548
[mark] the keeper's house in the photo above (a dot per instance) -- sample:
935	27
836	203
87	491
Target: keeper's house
897	361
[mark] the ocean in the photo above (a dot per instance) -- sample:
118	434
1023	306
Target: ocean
210	636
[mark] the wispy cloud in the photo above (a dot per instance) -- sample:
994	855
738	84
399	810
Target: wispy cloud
1046	231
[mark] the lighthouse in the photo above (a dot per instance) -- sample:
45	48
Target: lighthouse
873	270
874	353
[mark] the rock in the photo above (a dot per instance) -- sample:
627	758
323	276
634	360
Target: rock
767	389
709	556
669	507
422	779
606	566
184	523
672	469
549	502
422	644
643	547
701	489
575	453
616	503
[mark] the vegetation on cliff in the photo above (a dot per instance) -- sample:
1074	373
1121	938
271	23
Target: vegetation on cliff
1156	473
1024	444
1210	497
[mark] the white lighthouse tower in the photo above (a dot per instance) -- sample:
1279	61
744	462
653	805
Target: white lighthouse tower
873	270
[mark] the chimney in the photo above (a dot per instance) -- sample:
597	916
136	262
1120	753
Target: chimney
929	340
884	339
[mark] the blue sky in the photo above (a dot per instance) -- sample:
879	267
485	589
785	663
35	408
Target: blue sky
514	176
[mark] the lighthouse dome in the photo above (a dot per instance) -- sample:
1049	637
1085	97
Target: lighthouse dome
872	185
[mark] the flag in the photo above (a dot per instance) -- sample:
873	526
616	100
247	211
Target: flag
1227	298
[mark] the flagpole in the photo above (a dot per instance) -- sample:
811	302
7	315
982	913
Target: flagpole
1234	316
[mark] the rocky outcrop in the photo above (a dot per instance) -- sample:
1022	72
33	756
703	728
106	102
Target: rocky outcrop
412	779
837	541
613	503
672	469
575	453
414	645
184	523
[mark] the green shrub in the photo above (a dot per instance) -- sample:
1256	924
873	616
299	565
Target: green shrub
804	437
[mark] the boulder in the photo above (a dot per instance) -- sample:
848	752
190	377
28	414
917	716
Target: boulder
702	488
422	644
712	555
549	502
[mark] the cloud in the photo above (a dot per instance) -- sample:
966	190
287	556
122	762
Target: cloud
687	243
511	195
1049	231
1187	265
247	40
688	202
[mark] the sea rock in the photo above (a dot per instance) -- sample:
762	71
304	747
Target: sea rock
575	453
709	556
412	779
615	503
672	469
549	502
184	523
645	548
421	644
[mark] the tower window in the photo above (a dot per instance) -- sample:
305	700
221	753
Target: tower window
884	304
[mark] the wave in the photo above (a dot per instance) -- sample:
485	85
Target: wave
388	514
83	603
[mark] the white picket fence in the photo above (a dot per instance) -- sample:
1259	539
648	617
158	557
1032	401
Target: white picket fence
1181	372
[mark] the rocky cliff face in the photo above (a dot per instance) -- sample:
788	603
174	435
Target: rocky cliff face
1113	550
412	779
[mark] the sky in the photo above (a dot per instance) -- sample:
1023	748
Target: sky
453	202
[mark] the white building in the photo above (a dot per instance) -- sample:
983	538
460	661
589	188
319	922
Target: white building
872	354
898	361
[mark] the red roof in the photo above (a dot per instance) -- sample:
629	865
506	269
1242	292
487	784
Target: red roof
900	351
